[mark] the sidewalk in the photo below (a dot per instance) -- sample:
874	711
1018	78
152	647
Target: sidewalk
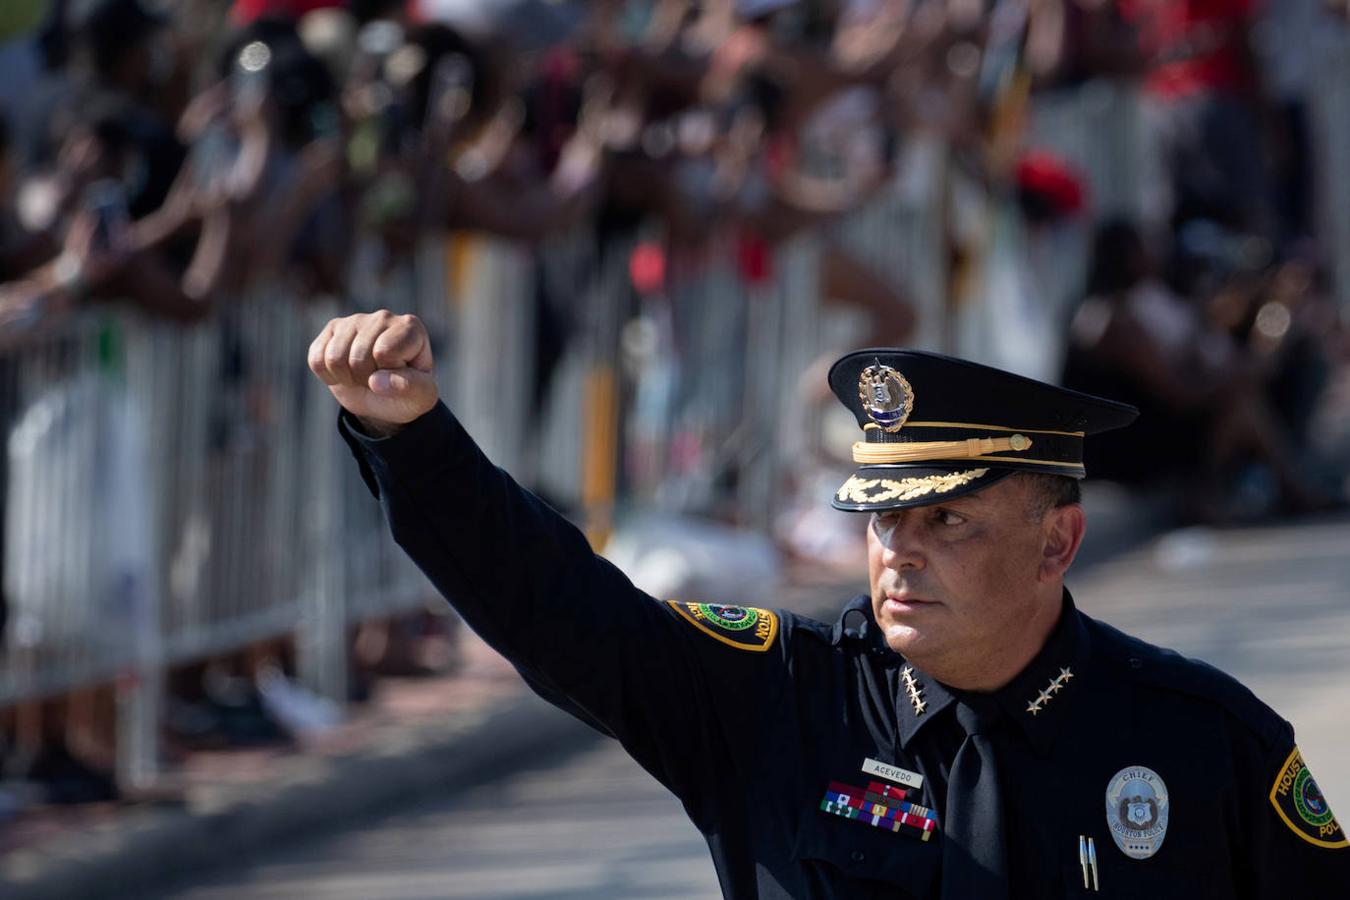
415	737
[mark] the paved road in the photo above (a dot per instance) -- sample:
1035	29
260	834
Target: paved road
590	827
1270	605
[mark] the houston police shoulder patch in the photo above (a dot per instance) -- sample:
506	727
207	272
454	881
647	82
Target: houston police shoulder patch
742	627
1299	802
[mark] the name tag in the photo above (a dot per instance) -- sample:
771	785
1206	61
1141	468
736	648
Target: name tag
893	773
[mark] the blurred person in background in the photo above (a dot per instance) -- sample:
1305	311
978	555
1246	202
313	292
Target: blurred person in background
1205	400
123	54
105	253
278	137
1207	111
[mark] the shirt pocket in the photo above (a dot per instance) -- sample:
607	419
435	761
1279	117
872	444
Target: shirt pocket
1119	878
850	858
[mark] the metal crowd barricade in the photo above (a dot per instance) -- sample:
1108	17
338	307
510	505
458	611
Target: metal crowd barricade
1097	127
61	571
782	335
899	236
175	493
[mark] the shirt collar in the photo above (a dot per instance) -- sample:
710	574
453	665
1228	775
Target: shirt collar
1037	698
919	698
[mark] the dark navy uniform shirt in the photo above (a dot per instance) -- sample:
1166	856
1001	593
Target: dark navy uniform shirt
757	720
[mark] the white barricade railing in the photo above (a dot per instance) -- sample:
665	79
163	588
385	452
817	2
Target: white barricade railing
71	581
1097	127
176	493
898	235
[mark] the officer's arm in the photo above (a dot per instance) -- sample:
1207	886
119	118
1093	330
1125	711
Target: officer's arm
528	583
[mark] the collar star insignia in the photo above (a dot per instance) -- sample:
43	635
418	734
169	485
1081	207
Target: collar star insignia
914	689
1056	685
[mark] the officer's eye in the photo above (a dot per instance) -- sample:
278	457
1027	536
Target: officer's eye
885	521
947	517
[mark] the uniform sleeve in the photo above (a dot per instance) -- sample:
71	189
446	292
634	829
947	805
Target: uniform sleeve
1295	846
680	685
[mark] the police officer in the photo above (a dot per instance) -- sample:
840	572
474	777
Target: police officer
963	732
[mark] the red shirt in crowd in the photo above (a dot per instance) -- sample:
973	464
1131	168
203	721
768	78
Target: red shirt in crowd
1193	45
245	11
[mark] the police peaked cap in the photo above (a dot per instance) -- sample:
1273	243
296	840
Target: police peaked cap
936	427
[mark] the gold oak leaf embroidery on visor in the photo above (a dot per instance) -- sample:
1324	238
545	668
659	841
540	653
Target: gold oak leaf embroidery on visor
881	490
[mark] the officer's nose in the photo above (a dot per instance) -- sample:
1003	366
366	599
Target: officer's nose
898	534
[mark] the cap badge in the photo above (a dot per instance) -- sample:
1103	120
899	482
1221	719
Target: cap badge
1136	811
886	396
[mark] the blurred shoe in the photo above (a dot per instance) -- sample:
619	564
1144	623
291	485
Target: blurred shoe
65	780
299	711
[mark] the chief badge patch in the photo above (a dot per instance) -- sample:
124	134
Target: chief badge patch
1299	802
742	627
1136	811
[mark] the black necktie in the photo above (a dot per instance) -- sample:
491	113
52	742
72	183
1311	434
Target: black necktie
974	855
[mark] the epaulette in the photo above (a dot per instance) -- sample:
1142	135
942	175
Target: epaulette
808	627
1158	668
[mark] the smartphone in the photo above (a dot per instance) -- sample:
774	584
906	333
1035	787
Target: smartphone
106	199
449	90
248	79
213	153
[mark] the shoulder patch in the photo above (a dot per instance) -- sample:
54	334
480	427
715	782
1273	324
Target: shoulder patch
1300	804
742	627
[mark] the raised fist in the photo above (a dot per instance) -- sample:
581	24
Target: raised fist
378	366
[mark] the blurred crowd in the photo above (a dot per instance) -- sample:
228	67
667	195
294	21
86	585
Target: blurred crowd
174	156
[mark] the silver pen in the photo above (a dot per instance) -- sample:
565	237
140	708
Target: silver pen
1092	861
1083	858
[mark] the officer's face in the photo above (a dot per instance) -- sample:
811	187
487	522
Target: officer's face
957	586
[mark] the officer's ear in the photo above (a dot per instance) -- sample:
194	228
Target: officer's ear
1062	529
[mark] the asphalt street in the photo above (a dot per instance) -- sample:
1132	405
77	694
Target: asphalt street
1270	605
592	825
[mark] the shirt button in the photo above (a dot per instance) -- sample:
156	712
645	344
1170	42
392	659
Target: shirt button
858	856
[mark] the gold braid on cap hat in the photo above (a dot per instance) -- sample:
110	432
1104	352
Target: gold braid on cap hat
865	453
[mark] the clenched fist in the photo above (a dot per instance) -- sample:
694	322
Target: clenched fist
378	366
